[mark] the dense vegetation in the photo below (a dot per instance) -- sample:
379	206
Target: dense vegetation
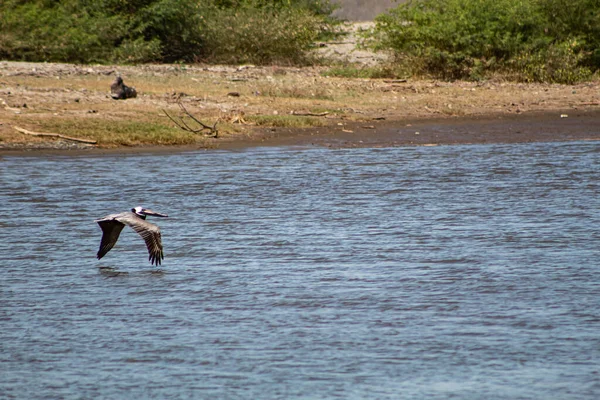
136	31
529	40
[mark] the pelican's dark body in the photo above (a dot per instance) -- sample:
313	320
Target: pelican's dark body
113	224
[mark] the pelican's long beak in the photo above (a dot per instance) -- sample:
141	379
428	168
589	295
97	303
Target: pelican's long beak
146	211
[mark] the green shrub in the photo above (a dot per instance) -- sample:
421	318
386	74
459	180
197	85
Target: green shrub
259	35
47	31
132	31
469	39
559	63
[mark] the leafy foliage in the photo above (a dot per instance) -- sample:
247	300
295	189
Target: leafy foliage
262	35
134	31
547	40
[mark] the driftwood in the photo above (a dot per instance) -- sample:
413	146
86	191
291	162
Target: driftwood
56	135
180	122
309	114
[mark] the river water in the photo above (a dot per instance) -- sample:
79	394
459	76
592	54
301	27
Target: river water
468	272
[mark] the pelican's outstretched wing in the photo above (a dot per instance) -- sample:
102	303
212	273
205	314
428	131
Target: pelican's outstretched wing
111	229
149	232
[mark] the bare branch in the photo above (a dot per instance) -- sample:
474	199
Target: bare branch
182	124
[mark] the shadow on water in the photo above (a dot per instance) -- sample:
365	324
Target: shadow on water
112	272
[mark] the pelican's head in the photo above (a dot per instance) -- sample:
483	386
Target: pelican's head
144	212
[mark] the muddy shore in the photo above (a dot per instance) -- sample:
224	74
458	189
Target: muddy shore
524	128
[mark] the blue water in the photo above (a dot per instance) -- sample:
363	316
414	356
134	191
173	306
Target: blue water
468	272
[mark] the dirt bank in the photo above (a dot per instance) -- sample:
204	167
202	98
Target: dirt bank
279	106
523	128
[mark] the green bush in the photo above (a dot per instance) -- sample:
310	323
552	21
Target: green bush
134	31
469	39
259	35
560	63
45	31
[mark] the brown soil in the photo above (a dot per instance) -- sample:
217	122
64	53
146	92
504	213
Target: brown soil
524	128
346	112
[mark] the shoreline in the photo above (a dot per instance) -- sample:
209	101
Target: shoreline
276	106
544	126
538	126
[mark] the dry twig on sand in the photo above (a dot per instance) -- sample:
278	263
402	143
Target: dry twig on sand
309	114
180	122
56	135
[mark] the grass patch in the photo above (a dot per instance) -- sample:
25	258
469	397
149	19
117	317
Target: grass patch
366	72
285	121
119	132
296	91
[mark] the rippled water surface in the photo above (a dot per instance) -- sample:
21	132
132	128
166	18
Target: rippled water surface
468	272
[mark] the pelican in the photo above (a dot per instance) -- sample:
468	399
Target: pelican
113	224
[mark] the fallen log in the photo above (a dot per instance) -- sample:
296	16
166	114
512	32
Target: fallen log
309	114
55	135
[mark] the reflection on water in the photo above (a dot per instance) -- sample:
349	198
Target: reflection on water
466	271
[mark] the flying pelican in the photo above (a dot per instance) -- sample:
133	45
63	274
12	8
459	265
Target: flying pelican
113	224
